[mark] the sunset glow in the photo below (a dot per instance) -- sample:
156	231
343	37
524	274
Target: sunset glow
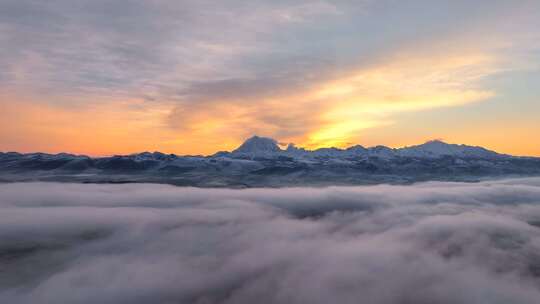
205	88
270	152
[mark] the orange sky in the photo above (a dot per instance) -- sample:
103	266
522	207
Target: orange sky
205	83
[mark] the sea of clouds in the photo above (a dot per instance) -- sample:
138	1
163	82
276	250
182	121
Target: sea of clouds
141	243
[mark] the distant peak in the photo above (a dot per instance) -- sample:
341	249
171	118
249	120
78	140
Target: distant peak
437	148
258	144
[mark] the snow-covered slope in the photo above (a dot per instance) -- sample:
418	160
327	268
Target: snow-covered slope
257	147
437	148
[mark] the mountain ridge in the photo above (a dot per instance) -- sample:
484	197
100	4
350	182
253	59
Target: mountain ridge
262	146
260	162
266	145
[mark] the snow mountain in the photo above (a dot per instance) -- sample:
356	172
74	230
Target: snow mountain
258	146
260	162
437	148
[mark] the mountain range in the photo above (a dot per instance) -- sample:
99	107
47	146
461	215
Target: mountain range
260	162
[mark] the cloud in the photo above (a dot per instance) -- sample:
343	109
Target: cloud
136	47
332	111
425	243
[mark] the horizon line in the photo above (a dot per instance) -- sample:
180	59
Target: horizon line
278	144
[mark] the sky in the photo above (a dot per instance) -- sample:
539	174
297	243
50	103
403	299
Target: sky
104	77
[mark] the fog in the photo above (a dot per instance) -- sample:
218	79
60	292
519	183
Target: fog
141	243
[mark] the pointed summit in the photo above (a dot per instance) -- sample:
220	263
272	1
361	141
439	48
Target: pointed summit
258	145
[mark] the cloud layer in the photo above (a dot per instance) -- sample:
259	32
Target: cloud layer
426	243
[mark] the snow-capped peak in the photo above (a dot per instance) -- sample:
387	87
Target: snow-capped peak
258	145
438	148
